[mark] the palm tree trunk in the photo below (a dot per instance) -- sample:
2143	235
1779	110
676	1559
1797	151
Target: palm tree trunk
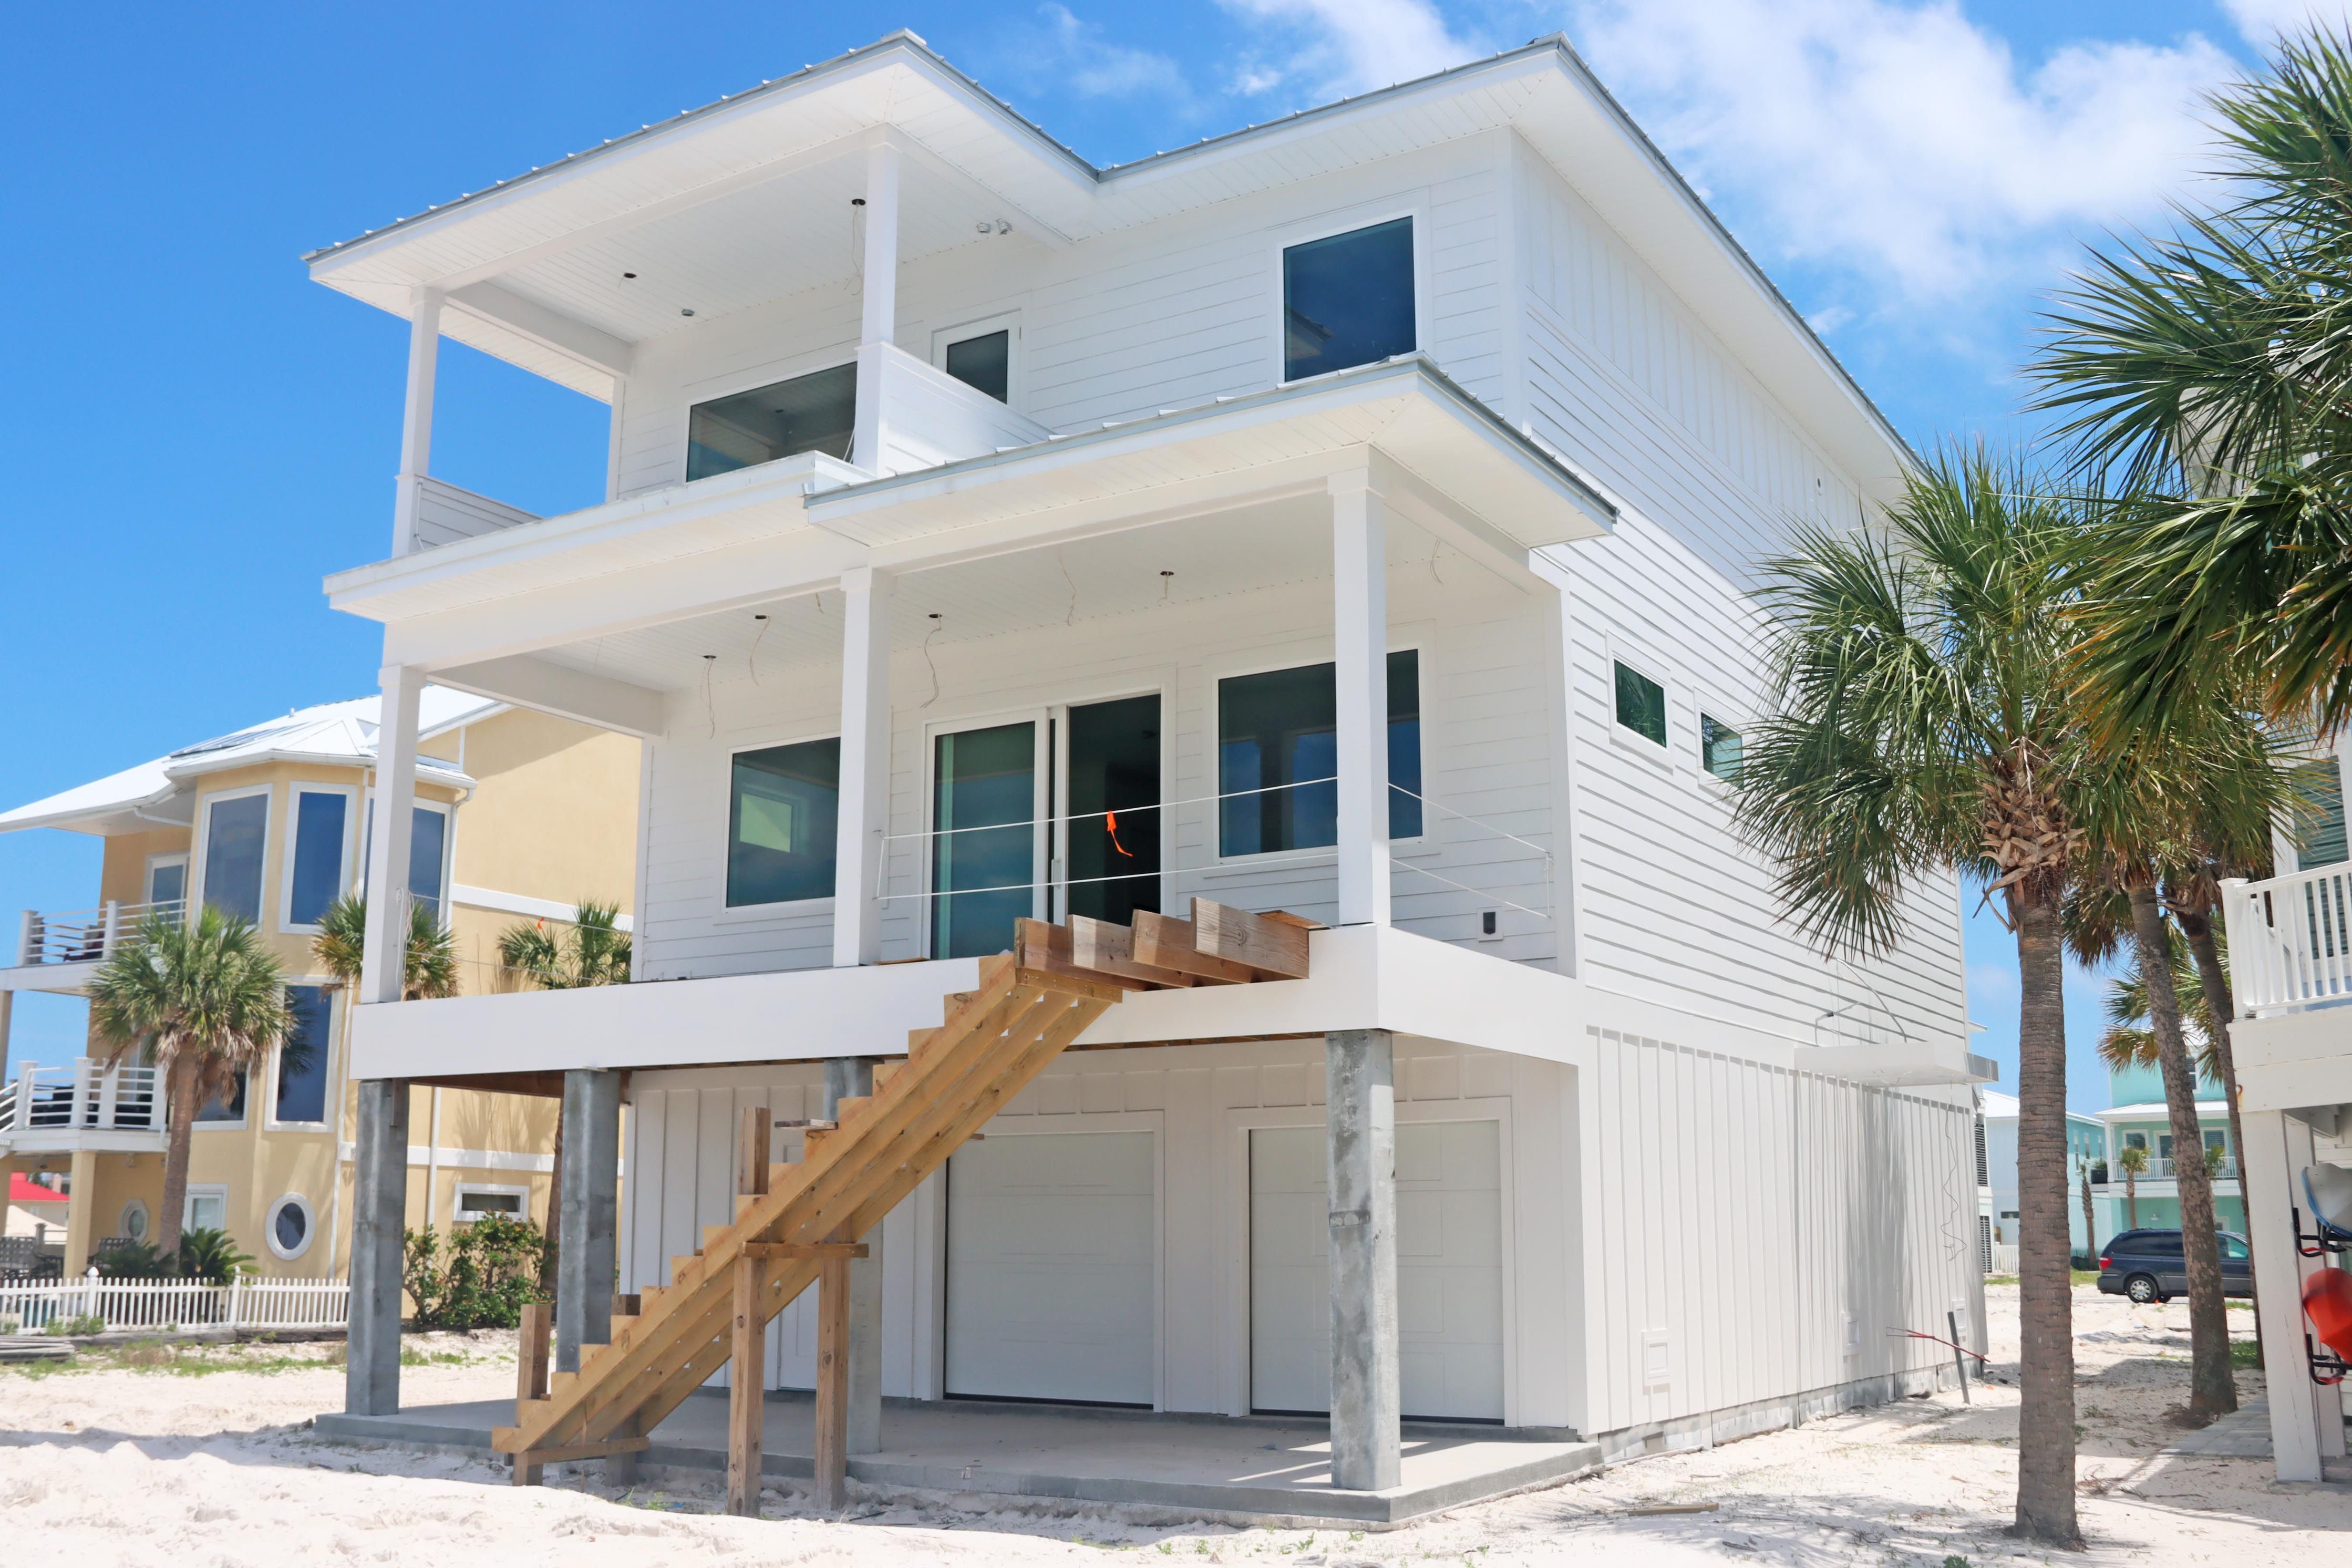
2213	1392
2196	922
2131	1197
179	1124
2090	1225
2045	1427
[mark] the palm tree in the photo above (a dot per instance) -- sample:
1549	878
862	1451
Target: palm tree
2090	1224
1926	723
205	1000
431	966
2133	1158
594	950
2214	364
2129	1044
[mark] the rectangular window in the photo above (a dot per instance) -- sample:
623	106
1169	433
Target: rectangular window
1348	299
167	878
236	831
1278	751
782	813
1640	704
317	878
302	1057
206	1209
474	1201
428	852
1719	746
2320	835
226	1106
813	412
984	364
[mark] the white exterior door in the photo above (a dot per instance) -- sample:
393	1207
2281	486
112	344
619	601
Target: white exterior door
1449	1270
1052	1260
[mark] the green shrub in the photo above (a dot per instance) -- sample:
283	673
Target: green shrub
80	1323
481	1279
211	1255
134	1260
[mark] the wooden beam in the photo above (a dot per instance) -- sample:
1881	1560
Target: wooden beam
1273	948
1046	949
745	1406
1100	947
833	1385
1166	942
531	1463
530	1353
751	1151
785	1251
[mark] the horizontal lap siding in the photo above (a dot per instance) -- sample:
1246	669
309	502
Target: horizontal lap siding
1747	1213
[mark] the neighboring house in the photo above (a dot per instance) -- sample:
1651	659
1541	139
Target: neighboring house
2139	1121
515	815
2085	1148
1355	516
2291	975
37	1208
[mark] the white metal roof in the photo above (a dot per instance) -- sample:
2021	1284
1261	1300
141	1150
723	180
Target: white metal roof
725	206
156	793
2000	1107
2157	1110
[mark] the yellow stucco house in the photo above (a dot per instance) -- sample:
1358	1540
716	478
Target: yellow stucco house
518	816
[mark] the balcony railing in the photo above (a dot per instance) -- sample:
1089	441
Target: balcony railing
2163	1168
87	1096
2290	939
84	936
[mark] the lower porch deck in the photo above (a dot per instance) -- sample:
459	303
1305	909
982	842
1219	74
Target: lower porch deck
1260	1467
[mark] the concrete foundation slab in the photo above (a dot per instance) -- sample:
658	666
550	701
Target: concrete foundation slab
1261	1469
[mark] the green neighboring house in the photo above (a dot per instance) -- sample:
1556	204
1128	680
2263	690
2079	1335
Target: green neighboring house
2139	1119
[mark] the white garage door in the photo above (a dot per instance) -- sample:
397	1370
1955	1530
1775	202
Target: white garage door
1050	1267
1449	1270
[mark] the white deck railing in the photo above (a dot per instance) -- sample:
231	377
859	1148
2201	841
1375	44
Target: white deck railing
2290	939
178	1303
83	936
87	1094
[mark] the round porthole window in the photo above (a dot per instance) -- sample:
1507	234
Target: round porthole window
290	1225
133	1224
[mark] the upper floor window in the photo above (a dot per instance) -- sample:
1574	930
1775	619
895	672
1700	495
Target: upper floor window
428	851
1640	704
783	809
314	877
1348	299
1718	747
984	364
1277	752
813	413
236	834
302	1057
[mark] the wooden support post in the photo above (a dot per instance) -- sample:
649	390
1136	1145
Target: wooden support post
531	1376
744	1391
832	1384
751	1151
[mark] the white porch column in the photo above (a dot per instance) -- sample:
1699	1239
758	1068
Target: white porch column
864	766
384	963
416	414
2271	1166
1359	625
879	303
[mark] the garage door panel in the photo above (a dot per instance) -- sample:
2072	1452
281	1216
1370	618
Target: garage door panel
1052	1267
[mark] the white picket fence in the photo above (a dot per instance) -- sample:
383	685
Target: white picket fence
179	1303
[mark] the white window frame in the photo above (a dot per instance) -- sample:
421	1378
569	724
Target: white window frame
1016	385
179	858
782	907
1652	751
1723	713
272	1122
310	1226
200	1190
1413	205
1218	674
1042	743
448	814
200	852
146	1220
295	791
831	357
461	1191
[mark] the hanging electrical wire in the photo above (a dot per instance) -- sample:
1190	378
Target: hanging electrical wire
709	703
751	659
1071	617
934	697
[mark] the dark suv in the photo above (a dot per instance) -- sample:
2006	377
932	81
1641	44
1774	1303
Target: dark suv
2149	1265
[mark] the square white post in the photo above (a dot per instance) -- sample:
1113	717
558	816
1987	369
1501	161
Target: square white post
865	767
384	961
1359	626
416	414
878	304
2271	1166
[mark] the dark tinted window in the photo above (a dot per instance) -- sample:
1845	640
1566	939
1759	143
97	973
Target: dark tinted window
1276	754
302	1057
318	855
814	413
781	820
233	849
984	364
227	1106
1640	704
1348	299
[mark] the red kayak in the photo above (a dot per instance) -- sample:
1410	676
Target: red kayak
2327	1302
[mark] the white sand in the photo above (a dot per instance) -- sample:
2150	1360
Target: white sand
156	1468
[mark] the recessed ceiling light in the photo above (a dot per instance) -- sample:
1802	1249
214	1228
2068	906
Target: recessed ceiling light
628	275
686	312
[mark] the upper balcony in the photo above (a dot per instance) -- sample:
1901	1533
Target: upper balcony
60	952
2291	973
87	1105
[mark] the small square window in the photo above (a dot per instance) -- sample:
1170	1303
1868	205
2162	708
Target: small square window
784	806
1640	704
1348	299
1718	747
984	364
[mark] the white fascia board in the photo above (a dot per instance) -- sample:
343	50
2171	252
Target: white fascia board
552	328
593	700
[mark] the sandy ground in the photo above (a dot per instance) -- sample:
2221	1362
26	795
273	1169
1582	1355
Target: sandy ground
205	1459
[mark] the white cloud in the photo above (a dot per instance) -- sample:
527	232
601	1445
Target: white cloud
2263	20
1074	55
1906	142
1336	47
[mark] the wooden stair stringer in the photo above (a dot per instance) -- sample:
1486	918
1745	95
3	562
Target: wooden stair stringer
992	1045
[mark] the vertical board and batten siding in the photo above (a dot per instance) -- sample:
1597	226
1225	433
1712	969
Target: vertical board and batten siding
1200	1103
1756	1232
1486	750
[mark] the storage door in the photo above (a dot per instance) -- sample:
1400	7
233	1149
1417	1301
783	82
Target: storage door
1449	1270
1051	1240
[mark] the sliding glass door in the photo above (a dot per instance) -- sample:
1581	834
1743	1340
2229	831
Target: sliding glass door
987	867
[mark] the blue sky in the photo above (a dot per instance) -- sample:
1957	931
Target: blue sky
1915	177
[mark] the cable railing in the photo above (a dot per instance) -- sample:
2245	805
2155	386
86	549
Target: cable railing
85	936
85	1095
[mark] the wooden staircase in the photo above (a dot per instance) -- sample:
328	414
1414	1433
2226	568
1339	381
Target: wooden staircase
799	1222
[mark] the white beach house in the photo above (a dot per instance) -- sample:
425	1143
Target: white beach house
1352	516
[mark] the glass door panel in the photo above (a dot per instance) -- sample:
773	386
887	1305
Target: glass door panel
984	838
1111	836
